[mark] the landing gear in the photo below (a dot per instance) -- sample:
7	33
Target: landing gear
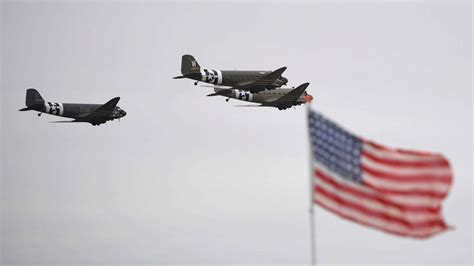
195	83
227	99
39	114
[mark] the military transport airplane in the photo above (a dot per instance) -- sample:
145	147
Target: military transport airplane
95	114
279	98
253	81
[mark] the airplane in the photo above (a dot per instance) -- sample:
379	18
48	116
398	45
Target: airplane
279	98
95	114
253	81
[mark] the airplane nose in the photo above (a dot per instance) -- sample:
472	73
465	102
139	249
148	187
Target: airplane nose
124	113
308	98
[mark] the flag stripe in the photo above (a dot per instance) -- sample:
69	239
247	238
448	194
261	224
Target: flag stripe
385	210
404	163
396	186
411	192
444	178
337	199
418	154
369	195
407	171
392	155
376	223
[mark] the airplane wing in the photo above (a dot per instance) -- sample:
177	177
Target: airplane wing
101	114
262	83
289	99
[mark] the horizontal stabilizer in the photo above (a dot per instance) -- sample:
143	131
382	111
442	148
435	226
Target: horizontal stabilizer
224	92
65	121
250	105
215	86
193	75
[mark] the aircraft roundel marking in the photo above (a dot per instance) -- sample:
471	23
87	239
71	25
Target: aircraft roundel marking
245	96
54	108
211	76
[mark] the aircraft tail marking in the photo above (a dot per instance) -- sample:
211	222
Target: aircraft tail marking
189	65
33	98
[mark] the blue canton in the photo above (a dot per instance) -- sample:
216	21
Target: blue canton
334	147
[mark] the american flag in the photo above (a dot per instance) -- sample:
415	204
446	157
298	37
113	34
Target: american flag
395	190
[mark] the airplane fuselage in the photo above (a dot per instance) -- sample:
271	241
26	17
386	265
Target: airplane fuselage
236	79
263	97
72	110
232	78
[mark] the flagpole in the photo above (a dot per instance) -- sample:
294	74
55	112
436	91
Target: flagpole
311	192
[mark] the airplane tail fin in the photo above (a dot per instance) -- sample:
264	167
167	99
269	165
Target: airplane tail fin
189	65
33	98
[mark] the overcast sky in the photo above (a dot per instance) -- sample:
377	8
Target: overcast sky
185	178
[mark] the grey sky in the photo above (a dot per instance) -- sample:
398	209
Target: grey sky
184	178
